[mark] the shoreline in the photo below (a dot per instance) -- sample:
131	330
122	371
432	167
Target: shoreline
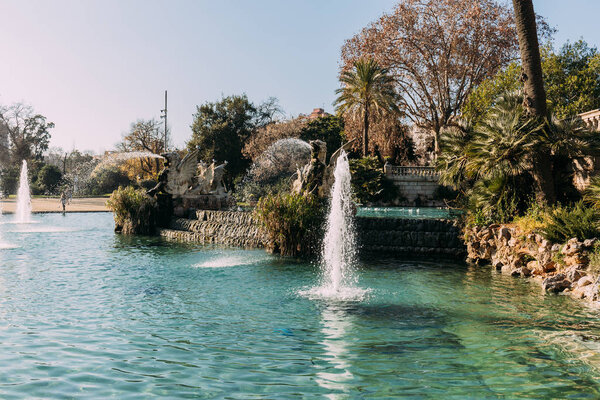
42	205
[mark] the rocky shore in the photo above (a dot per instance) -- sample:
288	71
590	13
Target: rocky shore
559	268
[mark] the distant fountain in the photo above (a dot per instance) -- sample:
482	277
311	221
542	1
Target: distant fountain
117	158
23	214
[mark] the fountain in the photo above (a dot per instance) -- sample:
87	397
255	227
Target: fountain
338	258
23	214
340	239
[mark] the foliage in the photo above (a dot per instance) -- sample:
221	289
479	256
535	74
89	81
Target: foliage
389	135
48	179
107	180
571	78
293	222
251	191
77	168
577	221
134	211
146	136
535	219
24	135
437	51
329	129
367	89
265	136
491	163
369	183
221	128
594	266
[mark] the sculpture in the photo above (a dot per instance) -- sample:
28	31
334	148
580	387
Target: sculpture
316	177
189	178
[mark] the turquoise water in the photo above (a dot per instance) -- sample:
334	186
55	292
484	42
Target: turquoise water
85	313
408	212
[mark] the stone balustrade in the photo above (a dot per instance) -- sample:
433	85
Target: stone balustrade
592	119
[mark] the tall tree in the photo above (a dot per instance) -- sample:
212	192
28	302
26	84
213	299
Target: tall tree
367	88
145	136
534	95
28	133
437	50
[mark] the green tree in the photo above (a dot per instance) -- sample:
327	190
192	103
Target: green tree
571	78
367	88
28	133
220	130
329	128
48	179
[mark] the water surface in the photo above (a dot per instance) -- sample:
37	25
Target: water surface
85	313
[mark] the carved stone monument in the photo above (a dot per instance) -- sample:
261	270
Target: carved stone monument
192	184
316	177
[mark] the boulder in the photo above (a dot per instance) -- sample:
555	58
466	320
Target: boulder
556	283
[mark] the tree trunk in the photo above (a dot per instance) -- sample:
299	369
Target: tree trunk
534	95
366	131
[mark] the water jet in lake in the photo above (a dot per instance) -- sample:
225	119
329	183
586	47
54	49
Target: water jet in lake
23	213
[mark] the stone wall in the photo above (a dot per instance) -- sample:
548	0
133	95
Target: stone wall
416	184
558	268
230	228
415	237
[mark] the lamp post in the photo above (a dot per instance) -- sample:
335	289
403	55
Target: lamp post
164	115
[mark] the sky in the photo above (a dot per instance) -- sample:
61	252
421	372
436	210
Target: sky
95	66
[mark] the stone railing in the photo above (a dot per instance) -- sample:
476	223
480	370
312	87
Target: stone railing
592	119
415	171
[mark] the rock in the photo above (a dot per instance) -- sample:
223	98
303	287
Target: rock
556	283
504	234
497	264
576	259
584	281
573	274
555	248
572	247
516	272
526	271
549	267
588	243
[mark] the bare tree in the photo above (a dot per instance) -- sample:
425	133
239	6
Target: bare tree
145	136
437	50
26	133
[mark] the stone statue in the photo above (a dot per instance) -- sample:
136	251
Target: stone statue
317	177
188	178
176	177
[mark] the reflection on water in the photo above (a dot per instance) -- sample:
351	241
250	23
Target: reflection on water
336	324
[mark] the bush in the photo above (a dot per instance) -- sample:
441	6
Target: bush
48	179
107	180
535	219
577	221
293	223
369	183
134	211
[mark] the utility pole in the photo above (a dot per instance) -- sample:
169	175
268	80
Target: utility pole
165	117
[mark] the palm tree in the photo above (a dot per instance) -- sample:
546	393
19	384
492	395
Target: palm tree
534	95
368	88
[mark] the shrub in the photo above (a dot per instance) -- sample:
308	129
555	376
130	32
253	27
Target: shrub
48	179
134	211
369	183
293	223
107	180
535	219
577	221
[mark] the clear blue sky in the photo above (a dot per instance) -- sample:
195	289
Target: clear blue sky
95	66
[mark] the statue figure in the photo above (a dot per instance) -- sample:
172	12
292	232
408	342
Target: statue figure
176	178
209	180
317	177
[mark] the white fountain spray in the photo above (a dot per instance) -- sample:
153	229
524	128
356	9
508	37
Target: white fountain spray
23	214
339	246
338	259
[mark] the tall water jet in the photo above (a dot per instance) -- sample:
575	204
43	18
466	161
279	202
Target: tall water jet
23	214
339	245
